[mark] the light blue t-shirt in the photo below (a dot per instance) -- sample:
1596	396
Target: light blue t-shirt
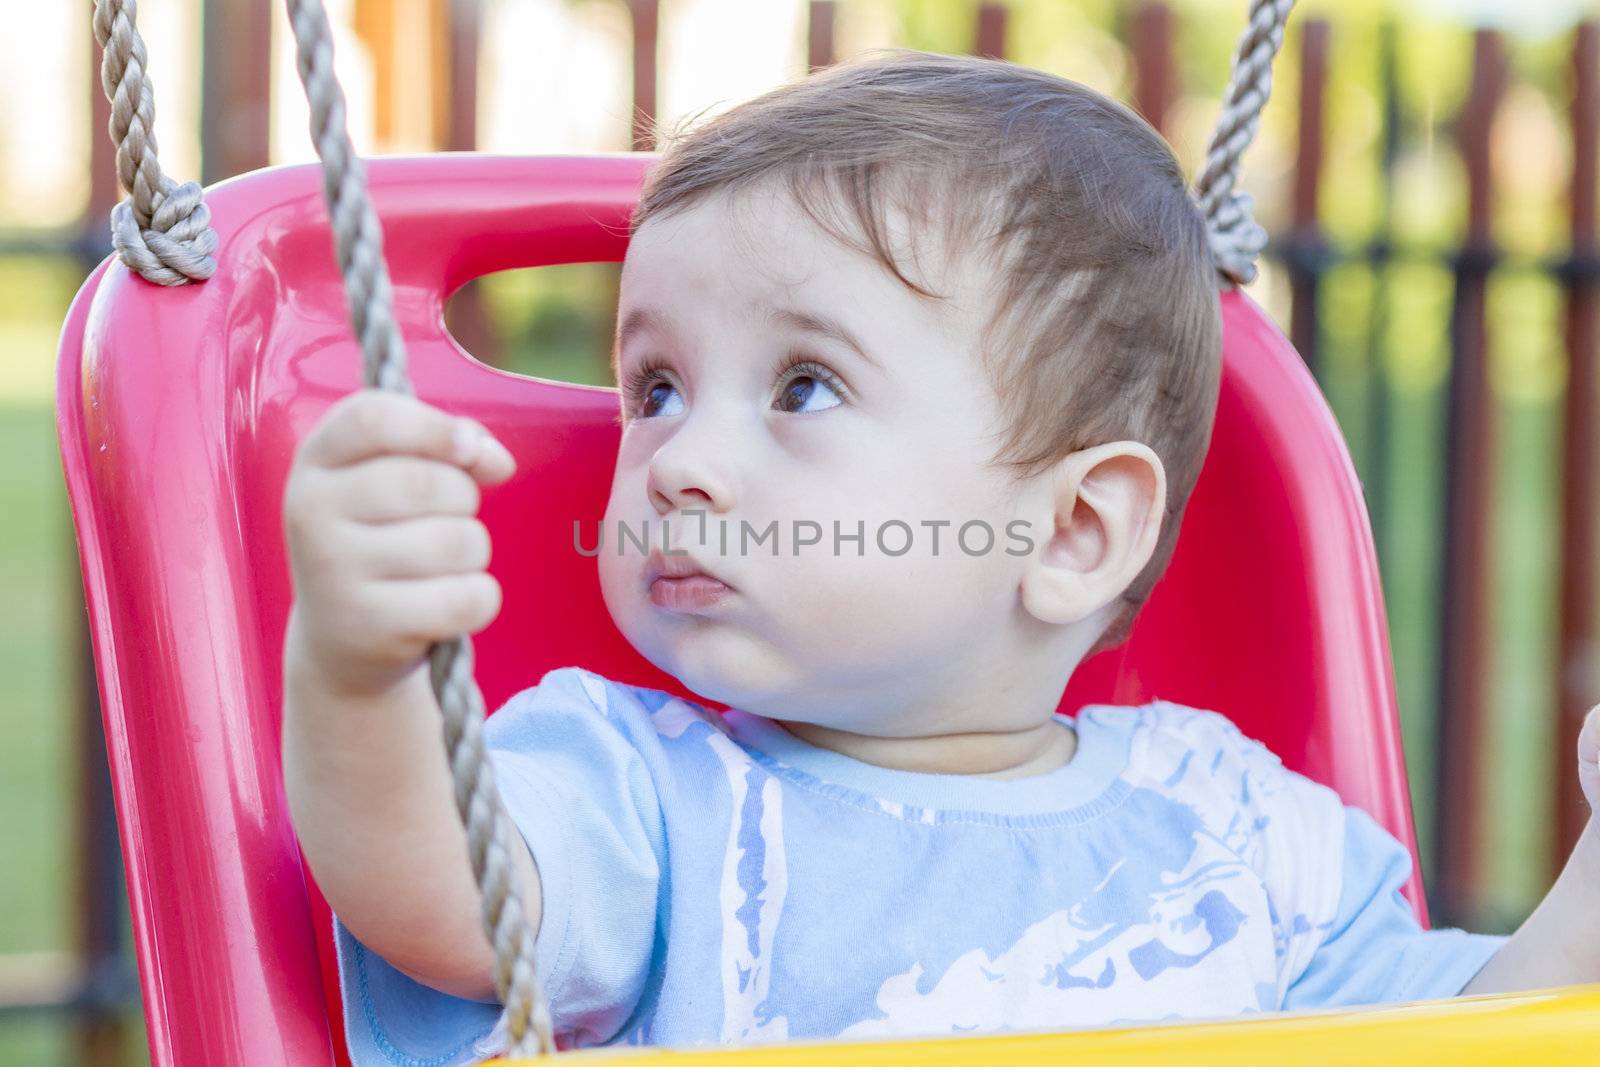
712	879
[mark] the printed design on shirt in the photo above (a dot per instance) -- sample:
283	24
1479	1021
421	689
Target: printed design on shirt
1279	825
1179	924
676	716
1151	933
754	882
595	688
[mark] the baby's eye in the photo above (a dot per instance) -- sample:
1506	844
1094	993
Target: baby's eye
649	394
660	399
809	387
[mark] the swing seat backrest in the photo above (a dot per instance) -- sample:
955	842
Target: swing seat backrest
179	413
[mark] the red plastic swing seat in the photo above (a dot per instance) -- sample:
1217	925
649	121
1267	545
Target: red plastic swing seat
179	411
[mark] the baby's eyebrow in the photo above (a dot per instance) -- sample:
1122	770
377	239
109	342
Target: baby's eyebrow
647	320
637	321
807	322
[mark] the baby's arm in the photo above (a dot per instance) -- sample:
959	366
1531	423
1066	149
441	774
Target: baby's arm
1559	944
388	558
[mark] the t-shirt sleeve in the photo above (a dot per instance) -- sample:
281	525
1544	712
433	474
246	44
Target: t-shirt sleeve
580	792
1374	951
1343	934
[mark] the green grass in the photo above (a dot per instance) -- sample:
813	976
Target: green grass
36	729
1521	756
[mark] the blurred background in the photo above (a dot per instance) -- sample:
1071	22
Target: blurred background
1427	169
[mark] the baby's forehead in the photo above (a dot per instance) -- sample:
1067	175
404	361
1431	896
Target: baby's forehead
764	246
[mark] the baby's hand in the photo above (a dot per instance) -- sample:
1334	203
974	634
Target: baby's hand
385	548
1589	759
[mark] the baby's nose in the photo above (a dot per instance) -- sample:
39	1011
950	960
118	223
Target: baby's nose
690	497
677	481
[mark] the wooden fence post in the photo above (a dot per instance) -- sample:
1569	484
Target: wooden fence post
1155	77
465	22
820	46
1306	247
466	315
990	40
1375	476
1467	556
646	16
1578	668
236	88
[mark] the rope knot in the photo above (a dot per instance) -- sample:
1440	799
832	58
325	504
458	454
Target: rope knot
176	247
163	229
1237	240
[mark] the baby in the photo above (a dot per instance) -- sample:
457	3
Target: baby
918	364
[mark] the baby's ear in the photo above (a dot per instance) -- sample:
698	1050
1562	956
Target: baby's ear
1108	504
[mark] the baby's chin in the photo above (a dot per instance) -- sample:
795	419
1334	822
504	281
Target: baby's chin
722	666
726	665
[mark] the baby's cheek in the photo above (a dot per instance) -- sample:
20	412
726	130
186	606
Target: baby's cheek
610	568
892	607
622	589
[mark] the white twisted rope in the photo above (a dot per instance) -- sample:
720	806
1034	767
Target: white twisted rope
162	230
1236	239
358	241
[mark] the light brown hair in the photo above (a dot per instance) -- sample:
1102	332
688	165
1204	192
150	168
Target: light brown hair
1105	324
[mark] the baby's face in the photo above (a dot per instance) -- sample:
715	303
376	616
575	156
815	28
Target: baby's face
780	377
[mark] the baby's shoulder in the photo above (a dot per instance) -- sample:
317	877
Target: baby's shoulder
1168	740
582	699
1202	758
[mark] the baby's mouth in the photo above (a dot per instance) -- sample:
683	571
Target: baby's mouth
688	594
678	583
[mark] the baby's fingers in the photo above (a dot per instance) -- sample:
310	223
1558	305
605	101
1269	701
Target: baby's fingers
430	610
373	423
426	548
481	455
394	488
